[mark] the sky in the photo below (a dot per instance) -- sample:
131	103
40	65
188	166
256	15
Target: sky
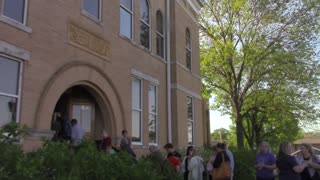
217	120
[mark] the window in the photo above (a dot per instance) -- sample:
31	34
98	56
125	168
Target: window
9	90
92	7
190	120
145	24
15	9
160	35
188	50
136	110
126	18
153	114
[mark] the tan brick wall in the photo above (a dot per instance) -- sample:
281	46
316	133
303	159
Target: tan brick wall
44	79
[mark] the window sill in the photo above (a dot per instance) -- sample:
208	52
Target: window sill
15	24
148	51
92	18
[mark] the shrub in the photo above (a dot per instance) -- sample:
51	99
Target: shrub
58	161
244	163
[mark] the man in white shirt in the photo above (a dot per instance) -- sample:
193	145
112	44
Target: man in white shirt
77	132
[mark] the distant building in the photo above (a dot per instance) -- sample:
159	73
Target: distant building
309	139
112	65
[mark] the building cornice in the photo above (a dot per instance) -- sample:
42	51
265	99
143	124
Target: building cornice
196	5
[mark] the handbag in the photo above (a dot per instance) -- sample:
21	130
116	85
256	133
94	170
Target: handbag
223	172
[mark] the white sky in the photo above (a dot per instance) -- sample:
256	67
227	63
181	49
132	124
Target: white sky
217	120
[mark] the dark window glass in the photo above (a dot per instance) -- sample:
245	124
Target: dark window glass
145	35
8	109
160	35
144	11
125	23
14	9
190	133
160	45
92	7
159	22
9	76
188	59
152	129
188	39
127	4
136	126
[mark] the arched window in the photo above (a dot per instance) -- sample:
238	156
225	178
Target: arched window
126	18
188	50
160	35
145	24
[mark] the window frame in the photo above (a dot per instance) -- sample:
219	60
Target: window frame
88	14
188	49
161	35
24	13
19	83
131	17
140	110
191	120
147	24
154	114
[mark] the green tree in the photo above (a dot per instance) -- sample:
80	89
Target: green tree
250	47
220	134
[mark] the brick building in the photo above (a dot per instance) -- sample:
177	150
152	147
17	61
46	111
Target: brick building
114	65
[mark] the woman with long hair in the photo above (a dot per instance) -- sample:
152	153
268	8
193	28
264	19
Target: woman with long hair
265	163
192	165
307	156
289	168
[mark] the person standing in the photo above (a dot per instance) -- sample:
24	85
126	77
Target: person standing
210	162
192	165
265	163
77	132
221	164
173	156
289	168
231	159
125	144
307	156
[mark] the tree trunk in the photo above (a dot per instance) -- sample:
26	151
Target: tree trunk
239	130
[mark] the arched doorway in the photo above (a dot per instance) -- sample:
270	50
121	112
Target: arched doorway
81	102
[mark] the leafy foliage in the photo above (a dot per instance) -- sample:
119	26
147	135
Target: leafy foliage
220	134
56	160
259	60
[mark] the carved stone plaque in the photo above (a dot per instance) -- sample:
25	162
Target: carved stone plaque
88	41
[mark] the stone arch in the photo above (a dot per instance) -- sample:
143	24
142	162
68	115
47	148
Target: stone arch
90	76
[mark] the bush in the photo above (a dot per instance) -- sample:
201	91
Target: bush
244	163
56	160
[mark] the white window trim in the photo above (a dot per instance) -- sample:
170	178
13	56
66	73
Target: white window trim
13	22
131	13
141	110
192	105
155	114
19	86
147	24
189	50
89	15
162	35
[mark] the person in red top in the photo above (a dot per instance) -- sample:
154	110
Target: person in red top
106	143
173	156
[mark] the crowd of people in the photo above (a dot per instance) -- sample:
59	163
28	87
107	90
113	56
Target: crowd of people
304	166
220	166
